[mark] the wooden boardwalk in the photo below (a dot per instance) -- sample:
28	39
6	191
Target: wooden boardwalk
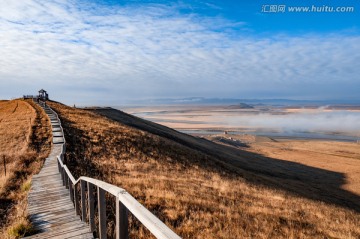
51	205
50	208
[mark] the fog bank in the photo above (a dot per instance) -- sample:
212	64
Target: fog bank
318	121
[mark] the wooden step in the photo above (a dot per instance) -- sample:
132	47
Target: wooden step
58	140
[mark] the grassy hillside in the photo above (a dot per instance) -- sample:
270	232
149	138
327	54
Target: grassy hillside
288	172
206	190
24	144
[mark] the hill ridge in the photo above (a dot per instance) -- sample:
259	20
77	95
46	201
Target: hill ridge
187	177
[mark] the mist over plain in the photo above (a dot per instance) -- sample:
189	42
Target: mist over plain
303	121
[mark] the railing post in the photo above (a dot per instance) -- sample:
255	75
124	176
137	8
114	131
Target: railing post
66	181
102	212
83	202
63	176
59	166
61	173
71	190
91	206
76	201
122	222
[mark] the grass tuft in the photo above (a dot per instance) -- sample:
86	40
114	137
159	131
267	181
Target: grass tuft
20	229
26	186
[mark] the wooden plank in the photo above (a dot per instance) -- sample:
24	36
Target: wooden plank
47	204
46	214
53	179
42	183
38	191
48	173
47	208
51	193
49	224
65	232
49	200
51	176
49	168
49	215
58	140
47	186
44	178
58	134
71	234
57	129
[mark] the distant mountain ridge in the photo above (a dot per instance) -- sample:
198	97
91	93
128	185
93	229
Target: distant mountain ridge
234	101
240	106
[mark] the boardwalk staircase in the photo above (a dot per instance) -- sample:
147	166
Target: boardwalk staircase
62	207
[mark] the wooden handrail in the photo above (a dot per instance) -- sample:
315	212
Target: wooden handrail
30	96
124	202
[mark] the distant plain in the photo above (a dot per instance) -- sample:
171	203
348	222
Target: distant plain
324	137
307	122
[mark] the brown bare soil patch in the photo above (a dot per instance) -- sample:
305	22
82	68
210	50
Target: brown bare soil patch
25	141
203	189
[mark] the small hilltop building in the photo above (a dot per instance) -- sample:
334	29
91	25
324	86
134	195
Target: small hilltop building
43	95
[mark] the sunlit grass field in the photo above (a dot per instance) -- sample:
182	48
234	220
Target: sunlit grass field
24	144
206	195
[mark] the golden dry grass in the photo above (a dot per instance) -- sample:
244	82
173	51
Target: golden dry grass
339	157
205	195
24	142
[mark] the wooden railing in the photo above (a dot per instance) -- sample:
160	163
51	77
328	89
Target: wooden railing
29	96
125	203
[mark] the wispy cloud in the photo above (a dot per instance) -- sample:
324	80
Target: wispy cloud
121	52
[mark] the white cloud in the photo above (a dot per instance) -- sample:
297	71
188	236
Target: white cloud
154	51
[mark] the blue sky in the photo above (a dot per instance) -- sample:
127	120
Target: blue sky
113	52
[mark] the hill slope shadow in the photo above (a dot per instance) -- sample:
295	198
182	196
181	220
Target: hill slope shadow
306	181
